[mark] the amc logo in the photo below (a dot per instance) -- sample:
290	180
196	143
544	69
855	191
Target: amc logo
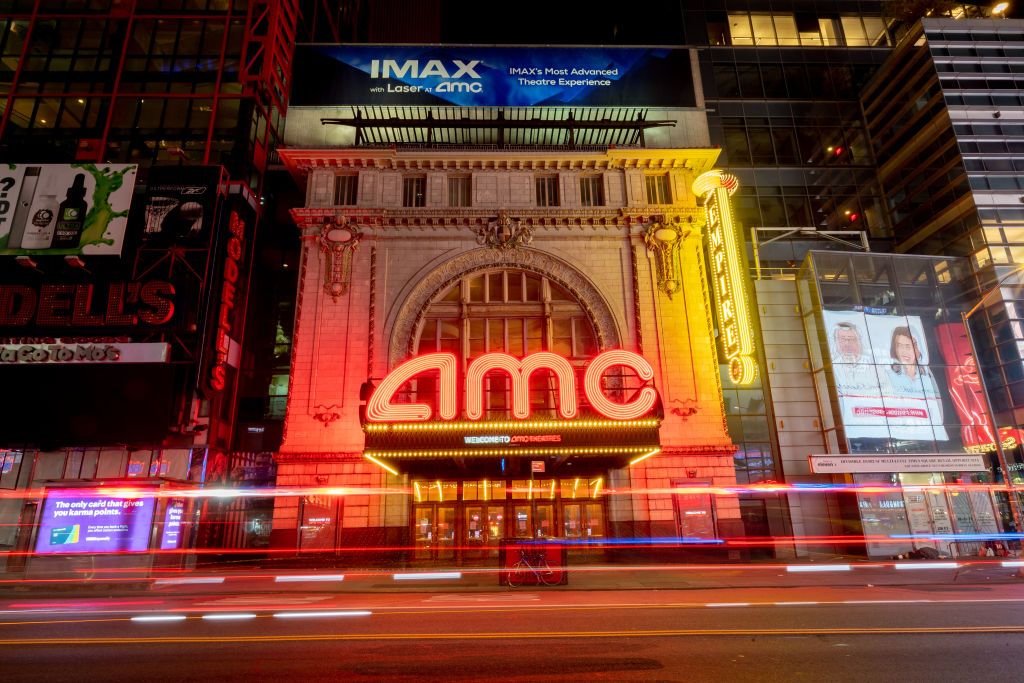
381	406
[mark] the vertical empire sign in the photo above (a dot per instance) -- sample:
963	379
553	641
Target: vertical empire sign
724	246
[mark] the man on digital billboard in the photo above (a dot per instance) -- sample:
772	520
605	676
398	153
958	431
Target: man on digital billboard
855	374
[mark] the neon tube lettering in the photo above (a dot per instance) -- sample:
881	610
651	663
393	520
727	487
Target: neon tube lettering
601	403
380	408
519	373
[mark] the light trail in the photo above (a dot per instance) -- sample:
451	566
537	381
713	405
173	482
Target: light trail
334	491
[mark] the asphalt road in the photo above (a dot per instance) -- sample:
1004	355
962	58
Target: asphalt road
764	634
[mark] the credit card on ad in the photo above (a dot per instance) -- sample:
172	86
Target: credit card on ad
65	535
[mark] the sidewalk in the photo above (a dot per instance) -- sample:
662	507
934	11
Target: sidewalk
592	577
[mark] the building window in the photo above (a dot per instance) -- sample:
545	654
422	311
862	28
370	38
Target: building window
657	189
547	191
345	187
802	28
458	191
414	191
864	31
514	312
592	190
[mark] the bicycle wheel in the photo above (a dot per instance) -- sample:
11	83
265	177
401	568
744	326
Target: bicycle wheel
547	575
515	575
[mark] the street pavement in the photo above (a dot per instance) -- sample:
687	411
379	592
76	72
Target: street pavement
929	631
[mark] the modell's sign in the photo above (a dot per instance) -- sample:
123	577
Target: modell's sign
382	406
78	353
228	304
114	304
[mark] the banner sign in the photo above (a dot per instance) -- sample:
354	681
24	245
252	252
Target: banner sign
728	276
64	209
846	464
341	75
73	521
110	305
40	354
170	537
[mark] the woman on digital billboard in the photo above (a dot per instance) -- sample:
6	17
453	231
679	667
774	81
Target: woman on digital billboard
914	406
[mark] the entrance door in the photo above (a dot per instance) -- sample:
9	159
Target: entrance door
445	532
483	528
318	530
434	532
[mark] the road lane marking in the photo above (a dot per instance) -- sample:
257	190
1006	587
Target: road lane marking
300	615
189	580
518	635
406	610
302	578
427	576
228	616
470	597
798	568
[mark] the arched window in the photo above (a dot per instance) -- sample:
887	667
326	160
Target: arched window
513	311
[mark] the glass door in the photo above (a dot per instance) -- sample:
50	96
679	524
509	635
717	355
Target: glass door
445	532
423	532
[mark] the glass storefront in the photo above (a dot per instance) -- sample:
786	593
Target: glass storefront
468	519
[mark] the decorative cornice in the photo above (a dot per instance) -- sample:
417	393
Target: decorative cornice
299	161
591	217
700	449
285	458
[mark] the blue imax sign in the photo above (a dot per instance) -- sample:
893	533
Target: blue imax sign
341	75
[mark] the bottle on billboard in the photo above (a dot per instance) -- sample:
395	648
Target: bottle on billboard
40	226
71	216
24	203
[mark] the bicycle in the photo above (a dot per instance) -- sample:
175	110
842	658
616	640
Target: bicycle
535	562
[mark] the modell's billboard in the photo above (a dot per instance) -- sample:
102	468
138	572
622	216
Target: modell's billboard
64	209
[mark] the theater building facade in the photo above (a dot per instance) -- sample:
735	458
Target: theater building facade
503	345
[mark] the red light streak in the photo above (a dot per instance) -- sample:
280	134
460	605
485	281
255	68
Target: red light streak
293	491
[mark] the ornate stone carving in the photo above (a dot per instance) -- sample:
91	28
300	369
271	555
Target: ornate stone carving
338	242
410	313
664	240
326	414
504	232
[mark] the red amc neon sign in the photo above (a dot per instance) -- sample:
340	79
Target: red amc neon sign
381	408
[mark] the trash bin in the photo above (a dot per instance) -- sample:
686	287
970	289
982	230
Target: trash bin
528	562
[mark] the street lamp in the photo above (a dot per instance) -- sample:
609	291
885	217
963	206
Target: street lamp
1000	455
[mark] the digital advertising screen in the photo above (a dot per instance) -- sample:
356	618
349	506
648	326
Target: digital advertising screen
479	76
170	538
80	521
905	383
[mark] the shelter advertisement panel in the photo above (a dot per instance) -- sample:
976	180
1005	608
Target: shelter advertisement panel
339	75
64	209
83	521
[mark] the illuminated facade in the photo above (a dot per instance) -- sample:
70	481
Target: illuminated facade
506	384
